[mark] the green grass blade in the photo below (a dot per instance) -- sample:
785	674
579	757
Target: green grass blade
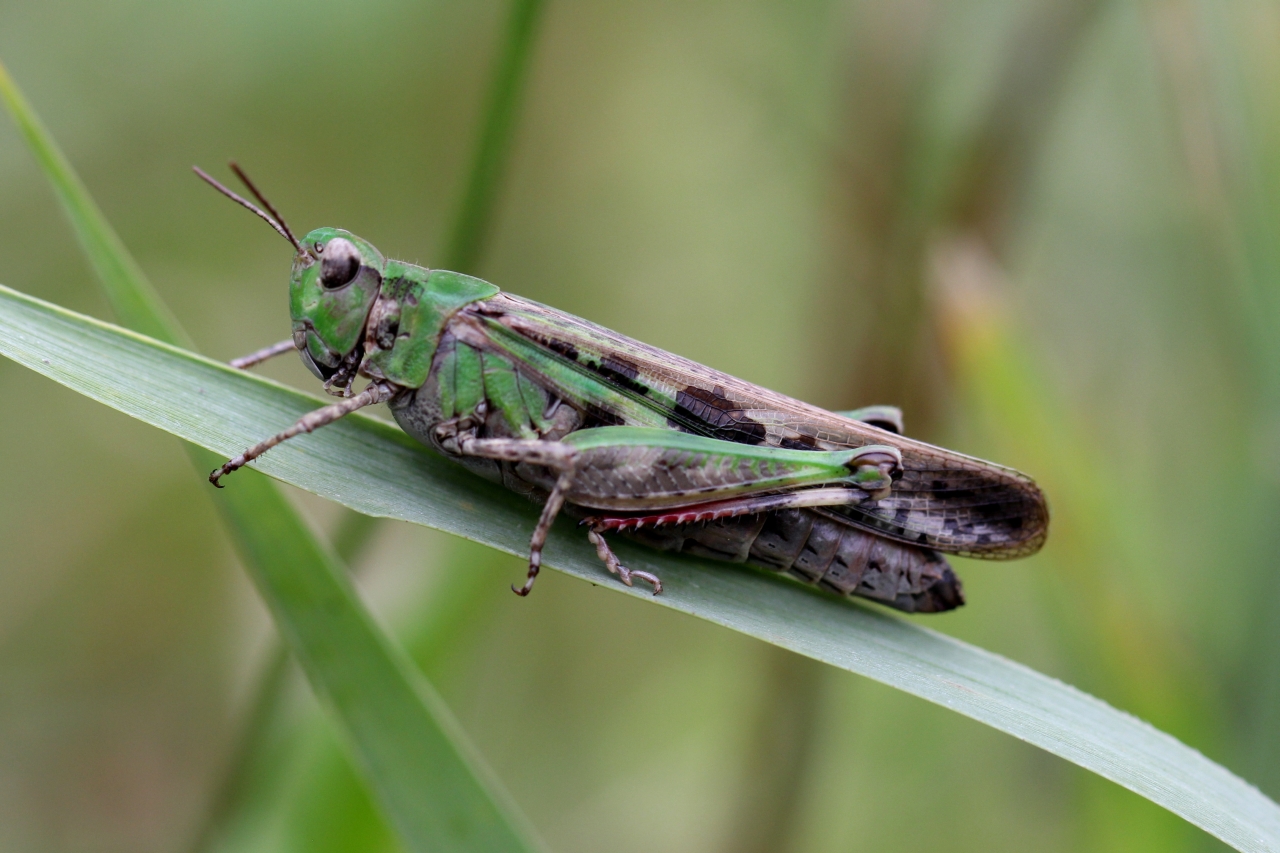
417	761
414	756
321	807
471	226
372	467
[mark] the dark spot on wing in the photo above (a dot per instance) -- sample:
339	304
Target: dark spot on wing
563	348
710	413
598	416
556	345
620	372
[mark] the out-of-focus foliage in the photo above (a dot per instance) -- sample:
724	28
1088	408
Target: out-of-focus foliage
1048	229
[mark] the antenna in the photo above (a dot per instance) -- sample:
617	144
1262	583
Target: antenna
262	199
204	176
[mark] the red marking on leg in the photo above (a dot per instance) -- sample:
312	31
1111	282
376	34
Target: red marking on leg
730	508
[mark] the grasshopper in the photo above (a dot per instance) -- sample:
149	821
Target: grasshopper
631	439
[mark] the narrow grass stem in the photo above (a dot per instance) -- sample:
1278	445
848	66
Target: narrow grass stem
473	222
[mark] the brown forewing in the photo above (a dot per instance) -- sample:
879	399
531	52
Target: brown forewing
943	500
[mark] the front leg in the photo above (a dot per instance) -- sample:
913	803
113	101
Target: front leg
375	393
253	359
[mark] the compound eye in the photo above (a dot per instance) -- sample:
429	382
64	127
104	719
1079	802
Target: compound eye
340	265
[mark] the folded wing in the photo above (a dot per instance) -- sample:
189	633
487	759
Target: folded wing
943	500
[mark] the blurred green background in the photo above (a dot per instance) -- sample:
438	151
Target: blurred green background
1049	230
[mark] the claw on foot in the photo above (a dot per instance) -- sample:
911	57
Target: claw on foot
535	564
610	560
627	574
226	468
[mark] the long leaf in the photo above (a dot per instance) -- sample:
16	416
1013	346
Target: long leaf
372	467
424	773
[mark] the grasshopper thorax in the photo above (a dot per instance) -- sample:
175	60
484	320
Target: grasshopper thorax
335	280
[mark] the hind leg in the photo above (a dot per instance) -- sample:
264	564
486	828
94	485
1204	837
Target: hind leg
610	560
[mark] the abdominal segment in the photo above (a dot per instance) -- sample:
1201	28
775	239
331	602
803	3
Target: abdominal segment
822	551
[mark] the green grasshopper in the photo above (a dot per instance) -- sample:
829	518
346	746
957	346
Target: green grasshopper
631	439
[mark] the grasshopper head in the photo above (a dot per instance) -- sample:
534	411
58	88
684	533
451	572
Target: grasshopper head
335	280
